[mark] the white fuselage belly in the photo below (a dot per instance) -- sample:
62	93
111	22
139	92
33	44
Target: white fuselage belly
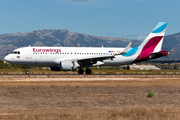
40	55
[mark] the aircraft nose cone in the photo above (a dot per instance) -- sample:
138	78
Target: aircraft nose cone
6	58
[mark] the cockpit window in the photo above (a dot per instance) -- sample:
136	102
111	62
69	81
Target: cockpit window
15	52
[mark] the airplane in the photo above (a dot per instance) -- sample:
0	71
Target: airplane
145	67
72	58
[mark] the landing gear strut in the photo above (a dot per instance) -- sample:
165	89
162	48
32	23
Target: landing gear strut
128	67
80	71
27	71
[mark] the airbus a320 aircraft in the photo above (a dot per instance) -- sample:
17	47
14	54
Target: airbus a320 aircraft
72	58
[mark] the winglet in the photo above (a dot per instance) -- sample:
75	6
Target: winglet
126	49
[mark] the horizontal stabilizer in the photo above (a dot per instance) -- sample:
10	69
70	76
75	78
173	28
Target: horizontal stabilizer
161	52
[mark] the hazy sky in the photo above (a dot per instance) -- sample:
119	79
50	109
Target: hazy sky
132	19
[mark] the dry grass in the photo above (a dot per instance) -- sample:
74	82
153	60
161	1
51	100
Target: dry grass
84	100
124	113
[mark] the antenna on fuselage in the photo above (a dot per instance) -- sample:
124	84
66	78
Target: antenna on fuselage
29	45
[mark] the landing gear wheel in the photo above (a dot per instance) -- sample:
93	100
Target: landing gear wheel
27	72
88	71
80	71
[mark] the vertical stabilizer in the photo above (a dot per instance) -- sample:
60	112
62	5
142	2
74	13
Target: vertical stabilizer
153	42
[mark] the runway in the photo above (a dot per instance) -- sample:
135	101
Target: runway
72	77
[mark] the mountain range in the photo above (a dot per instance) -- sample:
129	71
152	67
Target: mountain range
62	37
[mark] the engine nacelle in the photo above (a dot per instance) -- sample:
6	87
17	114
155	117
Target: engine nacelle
65	66
68	65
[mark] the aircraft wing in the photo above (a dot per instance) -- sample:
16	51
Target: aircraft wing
100	57
90	60
97	57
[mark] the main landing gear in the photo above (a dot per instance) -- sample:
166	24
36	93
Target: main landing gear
27	71
81	71
88	71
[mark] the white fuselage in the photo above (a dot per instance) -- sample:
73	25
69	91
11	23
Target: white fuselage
52	55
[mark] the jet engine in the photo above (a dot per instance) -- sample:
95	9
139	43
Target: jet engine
65	66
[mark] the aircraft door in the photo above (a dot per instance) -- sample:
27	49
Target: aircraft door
28	53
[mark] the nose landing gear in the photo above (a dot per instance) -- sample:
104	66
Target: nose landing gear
27	71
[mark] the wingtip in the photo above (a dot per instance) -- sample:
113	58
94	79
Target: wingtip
126	49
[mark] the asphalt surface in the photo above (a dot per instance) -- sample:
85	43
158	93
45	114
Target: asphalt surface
92	76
